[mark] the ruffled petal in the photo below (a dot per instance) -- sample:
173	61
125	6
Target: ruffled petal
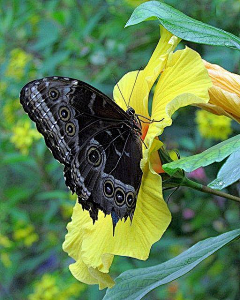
224	94
73	246
224	79
183	82
136	85
151	218
93	246
90	275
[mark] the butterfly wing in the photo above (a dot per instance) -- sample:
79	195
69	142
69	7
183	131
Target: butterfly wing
94	139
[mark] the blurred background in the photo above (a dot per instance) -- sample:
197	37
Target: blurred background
87	40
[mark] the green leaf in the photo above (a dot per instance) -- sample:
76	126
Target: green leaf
211	155
229	172
183	26
134	284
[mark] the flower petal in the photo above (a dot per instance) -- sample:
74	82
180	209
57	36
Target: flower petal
138	90
224	79
95	244
225	93
132	91
73	246
183	82
90	276
150	220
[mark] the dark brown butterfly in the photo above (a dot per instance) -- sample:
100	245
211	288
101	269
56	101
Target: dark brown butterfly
98	143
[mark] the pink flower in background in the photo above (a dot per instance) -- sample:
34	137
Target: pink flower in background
188	214
198	174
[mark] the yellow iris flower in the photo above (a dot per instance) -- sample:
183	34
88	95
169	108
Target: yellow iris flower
224	94
183	80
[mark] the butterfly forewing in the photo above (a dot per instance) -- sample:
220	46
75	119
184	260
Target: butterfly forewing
94	139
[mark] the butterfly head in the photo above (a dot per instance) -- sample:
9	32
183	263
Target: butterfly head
135	120
131	112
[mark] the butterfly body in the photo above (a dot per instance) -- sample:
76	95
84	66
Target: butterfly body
97	142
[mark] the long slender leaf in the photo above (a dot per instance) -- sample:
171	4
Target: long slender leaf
183	26
135	284
211	155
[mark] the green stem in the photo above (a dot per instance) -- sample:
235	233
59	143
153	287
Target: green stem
206	189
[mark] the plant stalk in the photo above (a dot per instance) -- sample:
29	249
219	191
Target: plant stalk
206	189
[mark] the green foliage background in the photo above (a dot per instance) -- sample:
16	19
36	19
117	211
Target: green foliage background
87	40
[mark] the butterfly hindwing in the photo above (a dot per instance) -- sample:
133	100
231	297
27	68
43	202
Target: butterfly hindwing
94	139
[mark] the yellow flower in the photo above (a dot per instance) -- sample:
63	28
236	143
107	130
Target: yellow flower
5	260
26	234
183	81
5	242
10	110
224	94
45	289
53	286
220	125
17	63
23	136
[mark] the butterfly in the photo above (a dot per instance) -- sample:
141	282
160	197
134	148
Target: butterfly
98	143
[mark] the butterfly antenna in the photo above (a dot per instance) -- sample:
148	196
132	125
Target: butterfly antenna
122	95
133	86
168	198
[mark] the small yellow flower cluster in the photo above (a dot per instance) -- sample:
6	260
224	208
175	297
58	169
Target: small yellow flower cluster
213	127
25	234
10	110
4	241
17	63
23	136
45	289
4	256
49	287
5	259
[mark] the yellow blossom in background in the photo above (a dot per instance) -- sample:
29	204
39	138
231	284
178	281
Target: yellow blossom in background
52	287
224	94
23	136
213	127
45	289
9	111
5	259
72	290
17	63
5	242
26	234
